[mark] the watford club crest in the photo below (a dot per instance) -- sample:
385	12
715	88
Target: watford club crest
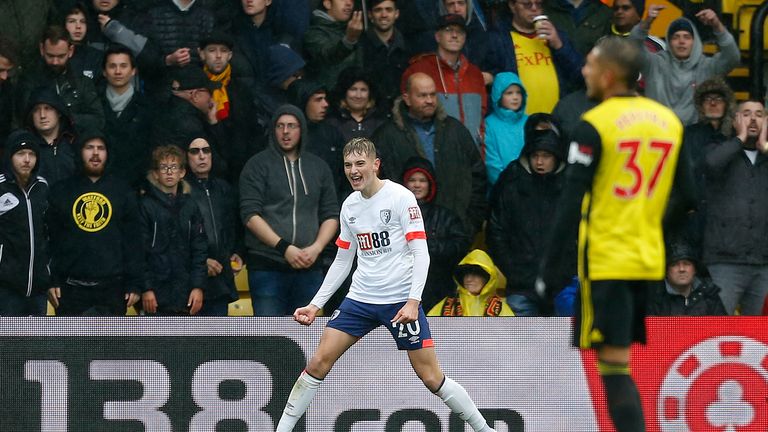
385	215
91	212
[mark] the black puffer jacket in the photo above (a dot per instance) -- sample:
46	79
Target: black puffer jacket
448	239
23	233
521	218
218	206
702	301
172	28
175	244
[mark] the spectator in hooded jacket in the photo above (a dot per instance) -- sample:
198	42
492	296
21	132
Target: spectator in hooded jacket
671	76
355	112
288	205
460	84
85	60
447	237
504	137
24	275
478	282
521	219
48	118
478	46
218	204
97	260
683	292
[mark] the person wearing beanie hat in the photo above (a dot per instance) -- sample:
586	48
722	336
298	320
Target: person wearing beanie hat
684	292
94	215
24	276
522	208
672	76
448	237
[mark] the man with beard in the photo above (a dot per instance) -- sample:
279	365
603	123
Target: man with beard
53	71
736	173
96	252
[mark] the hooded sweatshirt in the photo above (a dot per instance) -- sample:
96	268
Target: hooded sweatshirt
57	159
504	135
487	303
293	197
672	82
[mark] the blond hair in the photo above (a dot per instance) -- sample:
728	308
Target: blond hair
360	145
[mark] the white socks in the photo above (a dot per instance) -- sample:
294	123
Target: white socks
457	399
450	392
298	401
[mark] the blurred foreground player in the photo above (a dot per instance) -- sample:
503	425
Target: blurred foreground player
382	224
624	159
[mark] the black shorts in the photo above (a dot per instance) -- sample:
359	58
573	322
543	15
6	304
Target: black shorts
610	312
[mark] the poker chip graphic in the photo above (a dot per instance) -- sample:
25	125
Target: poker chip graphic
720	384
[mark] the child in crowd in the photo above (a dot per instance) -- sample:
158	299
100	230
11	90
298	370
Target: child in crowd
504	137
174	240
477	281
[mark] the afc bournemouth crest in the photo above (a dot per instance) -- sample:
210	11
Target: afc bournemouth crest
385	215
92	211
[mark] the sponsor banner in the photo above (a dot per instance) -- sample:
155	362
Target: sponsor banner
235	374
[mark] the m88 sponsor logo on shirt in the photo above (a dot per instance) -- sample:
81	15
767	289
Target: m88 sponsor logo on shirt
374	243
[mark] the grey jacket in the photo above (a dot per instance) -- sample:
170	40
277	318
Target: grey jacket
294	198
672	82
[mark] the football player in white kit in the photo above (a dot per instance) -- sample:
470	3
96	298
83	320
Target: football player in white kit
381	223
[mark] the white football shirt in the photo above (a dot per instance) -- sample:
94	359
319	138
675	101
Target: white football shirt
379	228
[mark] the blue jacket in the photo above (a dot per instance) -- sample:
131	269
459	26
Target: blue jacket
504	137
568	62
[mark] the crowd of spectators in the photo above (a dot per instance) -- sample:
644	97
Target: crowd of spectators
155	148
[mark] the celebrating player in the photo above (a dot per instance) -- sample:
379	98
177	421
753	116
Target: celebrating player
382	224
624	159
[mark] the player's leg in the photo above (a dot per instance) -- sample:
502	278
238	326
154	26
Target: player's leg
621	392
610	316
424	362
333	343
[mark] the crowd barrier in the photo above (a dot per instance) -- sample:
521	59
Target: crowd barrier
235	374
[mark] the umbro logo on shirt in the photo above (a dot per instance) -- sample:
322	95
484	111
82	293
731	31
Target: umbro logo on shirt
351	220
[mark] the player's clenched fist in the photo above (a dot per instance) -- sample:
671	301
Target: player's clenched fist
305	315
